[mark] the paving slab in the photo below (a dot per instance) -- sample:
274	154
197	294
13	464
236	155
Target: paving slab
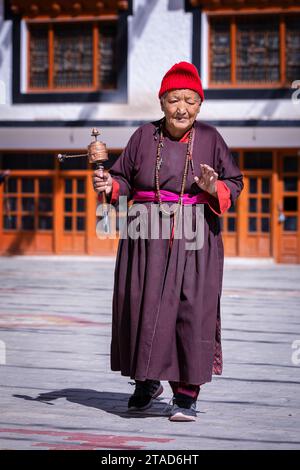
57	390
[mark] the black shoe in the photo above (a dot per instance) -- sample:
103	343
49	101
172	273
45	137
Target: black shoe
144	393
183	409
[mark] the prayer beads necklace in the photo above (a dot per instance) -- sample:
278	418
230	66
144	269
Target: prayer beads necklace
188	159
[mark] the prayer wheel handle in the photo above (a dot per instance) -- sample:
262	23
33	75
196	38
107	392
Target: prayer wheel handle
96	153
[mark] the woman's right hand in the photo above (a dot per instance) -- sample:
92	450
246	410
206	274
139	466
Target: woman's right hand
102	181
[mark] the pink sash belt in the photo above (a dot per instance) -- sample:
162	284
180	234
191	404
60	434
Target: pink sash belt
169	196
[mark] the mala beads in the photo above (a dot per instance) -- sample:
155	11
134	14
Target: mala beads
188	159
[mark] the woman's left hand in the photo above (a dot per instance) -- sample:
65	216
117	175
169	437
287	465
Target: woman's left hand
208	180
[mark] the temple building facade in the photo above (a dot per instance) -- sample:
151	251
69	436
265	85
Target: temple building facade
69	66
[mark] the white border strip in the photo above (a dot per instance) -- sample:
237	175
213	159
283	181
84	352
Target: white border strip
23	57
204	50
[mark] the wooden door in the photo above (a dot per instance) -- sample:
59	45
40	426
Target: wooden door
71	213
255	209
229	223
288	208
27	213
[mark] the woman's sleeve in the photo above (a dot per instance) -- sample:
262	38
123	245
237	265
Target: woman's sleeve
230	179
122	171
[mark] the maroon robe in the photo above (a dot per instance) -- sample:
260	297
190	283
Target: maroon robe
166	301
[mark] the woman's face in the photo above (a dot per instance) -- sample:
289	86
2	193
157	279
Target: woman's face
181	108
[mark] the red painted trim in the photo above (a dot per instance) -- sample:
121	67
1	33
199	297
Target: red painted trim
114	194
223	203
115	191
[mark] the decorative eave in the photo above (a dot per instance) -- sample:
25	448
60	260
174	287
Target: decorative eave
212	5
54	8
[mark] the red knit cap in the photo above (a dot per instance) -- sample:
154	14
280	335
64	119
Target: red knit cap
182	75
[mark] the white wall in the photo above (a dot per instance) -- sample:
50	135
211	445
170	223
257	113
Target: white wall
159	37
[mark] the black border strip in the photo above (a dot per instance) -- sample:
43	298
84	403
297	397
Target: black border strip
137	123
196	33
196	38
249	94
106	96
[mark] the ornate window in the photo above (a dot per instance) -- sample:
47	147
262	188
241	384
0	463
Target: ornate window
72	56
254	50
293	48
257	50
220	46
252	43
70	50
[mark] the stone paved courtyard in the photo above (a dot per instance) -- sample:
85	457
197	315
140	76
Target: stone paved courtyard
57	390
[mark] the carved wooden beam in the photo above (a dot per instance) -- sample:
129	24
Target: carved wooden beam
56	7
66	7
122	5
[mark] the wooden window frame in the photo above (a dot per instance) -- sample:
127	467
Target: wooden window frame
35	194
96	35
74	214
233	16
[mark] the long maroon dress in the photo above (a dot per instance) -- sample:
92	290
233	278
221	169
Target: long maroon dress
166	303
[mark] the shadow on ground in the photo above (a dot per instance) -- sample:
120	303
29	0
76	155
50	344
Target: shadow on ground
114	403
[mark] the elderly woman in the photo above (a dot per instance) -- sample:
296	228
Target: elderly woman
166	302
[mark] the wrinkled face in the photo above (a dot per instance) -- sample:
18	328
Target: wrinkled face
181	108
